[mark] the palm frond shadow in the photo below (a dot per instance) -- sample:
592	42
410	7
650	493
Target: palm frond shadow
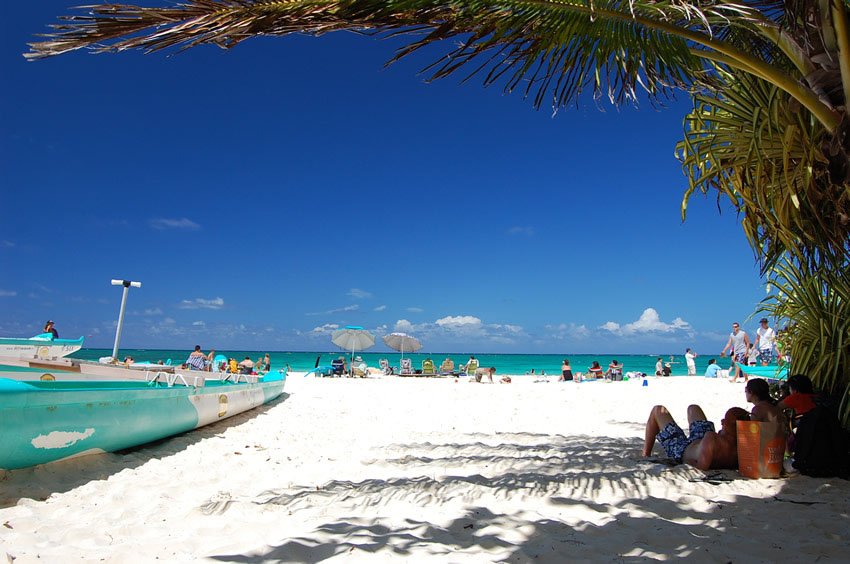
41	481
659	512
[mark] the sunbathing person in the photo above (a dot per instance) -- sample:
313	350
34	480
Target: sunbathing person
703	447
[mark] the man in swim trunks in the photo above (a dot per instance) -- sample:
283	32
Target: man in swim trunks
703	447
738	345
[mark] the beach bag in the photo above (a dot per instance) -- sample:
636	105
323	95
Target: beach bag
821	445
761	449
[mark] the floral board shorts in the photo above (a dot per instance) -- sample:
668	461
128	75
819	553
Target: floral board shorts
765	356
741	358
674	441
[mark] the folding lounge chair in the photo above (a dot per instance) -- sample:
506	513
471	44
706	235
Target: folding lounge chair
338	367
385	366
406	367
471	367
428	368
447	368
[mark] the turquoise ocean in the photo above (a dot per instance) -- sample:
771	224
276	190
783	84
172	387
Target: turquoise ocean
518	364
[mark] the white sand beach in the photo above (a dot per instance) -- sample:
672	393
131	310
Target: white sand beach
419	469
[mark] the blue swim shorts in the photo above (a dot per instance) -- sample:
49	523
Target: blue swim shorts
765	356
674	441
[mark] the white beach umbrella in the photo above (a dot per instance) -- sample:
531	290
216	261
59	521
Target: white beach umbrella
402	342
353	338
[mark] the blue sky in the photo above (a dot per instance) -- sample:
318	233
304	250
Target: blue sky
268	194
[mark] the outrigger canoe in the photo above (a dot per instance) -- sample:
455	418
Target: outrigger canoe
55	419
43	347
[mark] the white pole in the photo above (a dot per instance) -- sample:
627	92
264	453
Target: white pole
126	284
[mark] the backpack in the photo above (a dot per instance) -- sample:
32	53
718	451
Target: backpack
822	446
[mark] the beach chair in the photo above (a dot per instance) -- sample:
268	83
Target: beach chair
405	367
338	367
359	369
385	366
471	367
428	368
448	367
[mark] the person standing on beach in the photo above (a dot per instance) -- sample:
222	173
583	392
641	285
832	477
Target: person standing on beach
765	337
689	360
49	328
659	367
737	347
210	360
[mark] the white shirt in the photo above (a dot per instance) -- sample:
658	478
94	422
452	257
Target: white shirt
766	338
689	358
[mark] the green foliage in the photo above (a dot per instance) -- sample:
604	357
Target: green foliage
816	307
752	145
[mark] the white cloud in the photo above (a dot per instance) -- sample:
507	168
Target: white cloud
649	322
359	294
380	308
458	321
7	293
353	307
168	321
163	223
324	329
415	309
201	303
199	324
152	311
404	326
521	230
611	326
568	331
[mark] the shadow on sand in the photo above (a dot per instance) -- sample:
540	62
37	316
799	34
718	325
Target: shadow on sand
655	512
41	481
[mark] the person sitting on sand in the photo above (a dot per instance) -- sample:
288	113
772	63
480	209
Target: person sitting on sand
757	393
712	369
481	372
703	447
197	359
801	397
566	371
595	371
615	371
246	366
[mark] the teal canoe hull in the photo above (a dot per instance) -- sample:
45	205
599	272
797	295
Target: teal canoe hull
48	421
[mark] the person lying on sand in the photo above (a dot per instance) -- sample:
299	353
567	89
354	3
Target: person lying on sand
703	447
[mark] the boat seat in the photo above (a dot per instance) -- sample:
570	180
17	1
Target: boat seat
176	378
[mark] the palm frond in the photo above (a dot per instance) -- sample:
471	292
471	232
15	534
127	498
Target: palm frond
750	144
547	49
815	305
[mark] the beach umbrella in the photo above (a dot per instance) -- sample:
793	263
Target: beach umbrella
402	342
353	338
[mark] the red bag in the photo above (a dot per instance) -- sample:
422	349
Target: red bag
761	449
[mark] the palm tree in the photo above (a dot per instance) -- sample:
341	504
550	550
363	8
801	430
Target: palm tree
770	81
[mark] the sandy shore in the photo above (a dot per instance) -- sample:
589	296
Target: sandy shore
414	469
